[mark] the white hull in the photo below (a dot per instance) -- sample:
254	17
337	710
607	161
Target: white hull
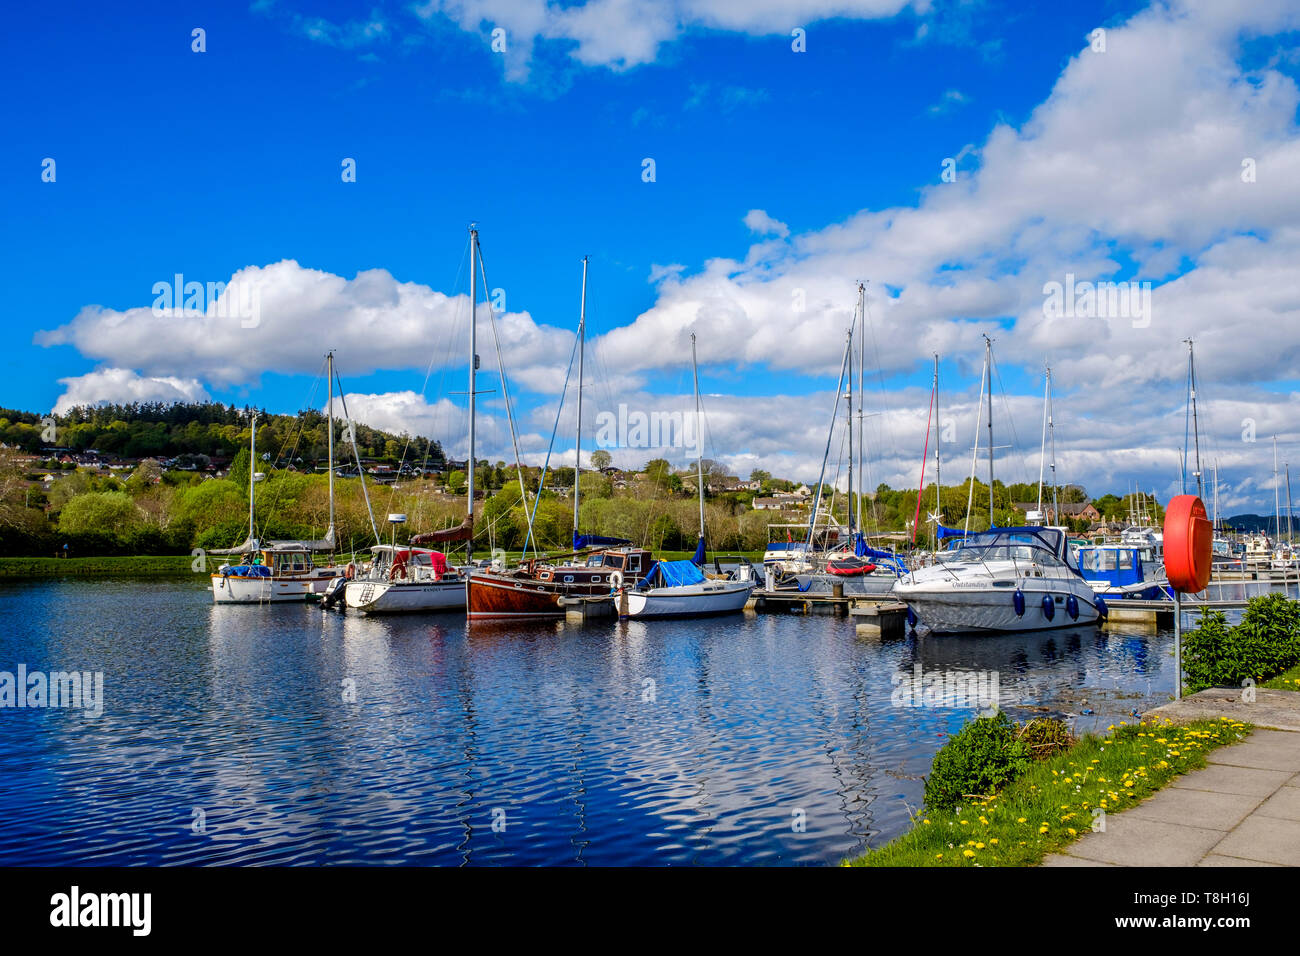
690	600
949	608
237	590
388	597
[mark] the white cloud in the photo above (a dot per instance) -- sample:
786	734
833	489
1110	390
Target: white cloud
758	221
121	385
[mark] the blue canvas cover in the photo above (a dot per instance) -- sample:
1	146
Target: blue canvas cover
581	541
676	573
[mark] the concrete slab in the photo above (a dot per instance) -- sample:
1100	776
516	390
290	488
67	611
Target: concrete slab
1285	805
1260	755
1267	839
1271	708
1220	778
1214	859
1130	840
1063	859
1197	808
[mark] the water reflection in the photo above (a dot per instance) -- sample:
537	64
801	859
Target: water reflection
303	737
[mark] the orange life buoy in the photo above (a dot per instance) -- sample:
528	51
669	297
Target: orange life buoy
1188	544
398	570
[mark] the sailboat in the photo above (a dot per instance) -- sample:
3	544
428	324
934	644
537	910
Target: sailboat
402	579
680	588
276	571
534	590
833	557
1003	579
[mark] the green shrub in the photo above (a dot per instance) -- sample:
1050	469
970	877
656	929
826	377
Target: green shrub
1264	644
982	758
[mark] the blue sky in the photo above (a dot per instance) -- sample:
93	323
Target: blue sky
171	161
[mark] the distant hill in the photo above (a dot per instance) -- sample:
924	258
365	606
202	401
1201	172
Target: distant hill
1252	524
162	430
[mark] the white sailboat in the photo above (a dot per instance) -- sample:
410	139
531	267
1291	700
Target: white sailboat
680	588
1003	579
277	571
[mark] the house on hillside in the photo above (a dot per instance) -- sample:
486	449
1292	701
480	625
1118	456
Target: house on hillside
1064	511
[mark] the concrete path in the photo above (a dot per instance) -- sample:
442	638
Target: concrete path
1241	810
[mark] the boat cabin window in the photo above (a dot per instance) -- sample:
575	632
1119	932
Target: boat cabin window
634	562
613	560
1126	560
594	560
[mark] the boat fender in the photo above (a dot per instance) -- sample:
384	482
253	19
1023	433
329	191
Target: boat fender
350	571
911	617
1102	610
1049	607
1018	601
615	580
1072	607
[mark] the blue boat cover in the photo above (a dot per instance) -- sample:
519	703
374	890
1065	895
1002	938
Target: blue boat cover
581	541
698	557
247	571
950	532
676	573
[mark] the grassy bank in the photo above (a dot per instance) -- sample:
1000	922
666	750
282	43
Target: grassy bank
1054	802
1288	680
90	567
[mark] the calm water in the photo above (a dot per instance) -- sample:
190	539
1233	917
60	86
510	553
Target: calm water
665	743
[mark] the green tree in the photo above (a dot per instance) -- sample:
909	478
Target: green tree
101	512
456	482
600	459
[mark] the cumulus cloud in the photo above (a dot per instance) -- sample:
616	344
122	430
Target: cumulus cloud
758	221
113	385
373	320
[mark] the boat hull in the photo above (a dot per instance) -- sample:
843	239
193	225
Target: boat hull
947	610
504	597
390	597
231	589
692	600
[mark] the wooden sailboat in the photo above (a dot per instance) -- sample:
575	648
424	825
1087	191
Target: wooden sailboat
535	589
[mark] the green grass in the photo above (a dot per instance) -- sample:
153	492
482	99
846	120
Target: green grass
1287	680
120	564
1053	804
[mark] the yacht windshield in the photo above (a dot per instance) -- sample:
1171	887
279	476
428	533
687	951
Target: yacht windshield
1021	547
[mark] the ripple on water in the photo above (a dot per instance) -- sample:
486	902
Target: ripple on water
226	737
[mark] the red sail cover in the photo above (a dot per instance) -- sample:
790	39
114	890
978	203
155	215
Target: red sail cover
464	532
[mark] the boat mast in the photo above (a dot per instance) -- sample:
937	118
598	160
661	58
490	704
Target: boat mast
938	483
329	359
1288	504
1196	434
473	367
577	442
862	395
988	360
1051	439
849	424
699	434
1277	510
252	471
1042	448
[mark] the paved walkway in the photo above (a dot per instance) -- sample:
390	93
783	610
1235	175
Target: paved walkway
1241	810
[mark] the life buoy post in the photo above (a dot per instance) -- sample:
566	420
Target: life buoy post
1188	546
